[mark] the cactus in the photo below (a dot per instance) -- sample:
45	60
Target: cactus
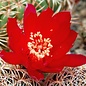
11	75
68	77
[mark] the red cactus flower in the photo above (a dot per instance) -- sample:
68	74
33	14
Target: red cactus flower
42	45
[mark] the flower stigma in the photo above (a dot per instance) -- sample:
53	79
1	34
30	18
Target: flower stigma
39	46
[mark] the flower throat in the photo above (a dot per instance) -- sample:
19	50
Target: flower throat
39	46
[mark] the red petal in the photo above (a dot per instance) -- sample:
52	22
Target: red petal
61	27
29	9
52	70
35	74
73	60
59	51
70	60
34	24
43	22
17	41
10	57
35	62
64	47
62	17
13	27
29	19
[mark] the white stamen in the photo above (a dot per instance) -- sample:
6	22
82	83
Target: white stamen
38	46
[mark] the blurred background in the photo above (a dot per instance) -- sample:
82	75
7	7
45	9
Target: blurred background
79	12
11	75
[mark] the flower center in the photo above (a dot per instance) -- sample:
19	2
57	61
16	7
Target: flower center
39	46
